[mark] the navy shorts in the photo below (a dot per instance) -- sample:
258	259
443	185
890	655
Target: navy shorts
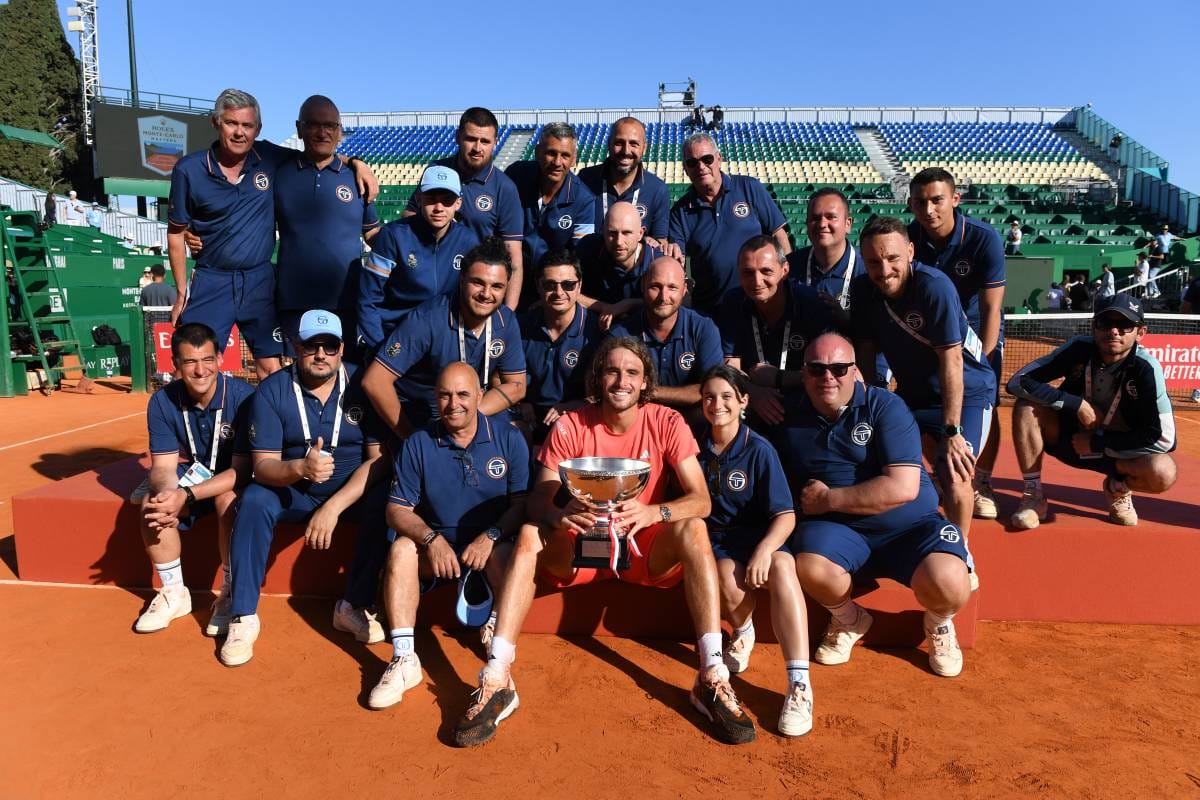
218	298
736	544
976	421
1068	426
893	554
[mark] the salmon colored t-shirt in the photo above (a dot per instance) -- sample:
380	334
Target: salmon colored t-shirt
659	436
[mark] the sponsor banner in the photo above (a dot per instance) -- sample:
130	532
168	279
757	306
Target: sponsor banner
231	359
1179	355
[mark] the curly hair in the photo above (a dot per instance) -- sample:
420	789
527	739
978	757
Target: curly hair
595	377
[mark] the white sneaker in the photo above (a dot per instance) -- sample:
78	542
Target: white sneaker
985	503
239	643
737	654
796	717
945	656
840	639
361	622
401	675
170	603
1032	511
1120	507
218	622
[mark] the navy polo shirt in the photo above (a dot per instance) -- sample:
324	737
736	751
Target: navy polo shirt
555	370
426	340
973	260
691	349
712	234
275	426
737	317
910	330
490	204
831	282
746	482
648	193
164	418
461	492
570	214
874	430
322	219
236	221
406	267
606	280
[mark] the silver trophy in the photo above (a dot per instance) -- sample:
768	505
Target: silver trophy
602	484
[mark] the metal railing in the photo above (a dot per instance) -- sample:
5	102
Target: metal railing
155	100
146	232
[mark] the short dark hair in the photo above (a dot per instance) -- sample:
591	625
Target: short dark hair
479	117
158	270
881	226
757	242
827	191
194	333
595	375
734	377
490	251
932	175
559	257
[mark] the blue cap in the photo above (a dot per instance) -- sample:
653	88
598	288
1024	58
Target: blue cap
1123	304
438	177
474	603
317	322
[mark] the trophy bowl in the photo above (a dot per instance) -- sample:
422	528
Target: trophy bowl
602	484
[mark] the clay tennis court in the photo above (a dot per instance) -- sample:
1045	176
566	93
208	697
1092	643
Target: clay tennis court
90	709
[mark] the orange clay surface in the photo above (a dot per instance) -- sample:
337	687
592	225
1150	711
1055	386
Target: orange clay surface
90	709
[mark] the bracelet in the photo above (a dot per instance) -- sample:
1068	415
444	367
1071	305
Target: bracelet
191	496
428	539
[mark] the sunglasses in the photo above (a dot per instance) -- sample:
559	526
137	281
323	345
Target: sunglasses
329	346
818	370
567	286
707	160
470	476
1108	323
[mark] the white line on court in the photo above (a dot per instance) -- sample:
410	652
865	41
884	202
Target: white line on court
73	430
1188	419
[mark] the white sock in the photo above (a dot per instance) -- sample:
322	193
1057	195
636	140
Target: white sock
797	672
1033	482
935	622
709	648
402	642
845	612
170	573
503	654
745	630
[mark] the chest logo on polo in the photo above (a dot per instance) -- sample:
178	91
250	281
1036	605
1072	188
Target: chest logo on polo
261	181
497	467
914	320
962	267
861	434
571	358
736	480
687	360
226	432
496	348
343	193
642	210
950	534
412	261
796	341
484	202
565	222
253	433
457	262
741	209
1131	390
354	415
277	334
393	349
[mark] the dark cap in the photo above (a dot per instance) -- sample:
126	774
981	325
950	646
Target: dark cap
1123	304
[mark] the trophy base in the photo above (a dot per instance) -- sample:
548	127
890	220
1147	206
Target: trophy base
595	553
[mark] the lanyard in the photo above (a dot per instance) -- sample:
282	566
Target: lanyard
604	196
1116	401
487	347
844	297
216	440
783	347
337	421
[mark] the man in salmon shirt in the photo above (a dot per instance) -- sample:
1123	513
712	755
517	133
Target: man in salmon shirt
672	542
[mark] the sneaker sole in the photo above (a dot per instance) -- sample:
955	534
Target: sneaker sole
484	735
736	736
799	730
989	513
380	706
182	613
236	661
944	674
358	637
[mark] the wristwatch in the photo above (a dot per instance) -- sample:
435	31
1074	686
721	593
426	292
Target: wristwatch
664	513
428	539
494	533
952	430
191	496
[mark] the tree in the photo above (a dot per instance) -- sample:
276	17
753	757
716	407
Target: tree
39	81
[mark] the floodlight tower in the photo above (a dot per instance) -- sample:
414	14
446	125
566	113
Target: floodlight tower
82	19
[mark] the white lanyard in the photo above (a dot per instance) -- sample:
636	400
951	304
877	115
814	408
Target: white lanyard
783	348
844	297
1116	401
337	421
187	426
487	347
604	196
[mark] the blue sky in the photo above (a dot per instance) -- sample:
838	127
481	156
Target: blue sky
1133	62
